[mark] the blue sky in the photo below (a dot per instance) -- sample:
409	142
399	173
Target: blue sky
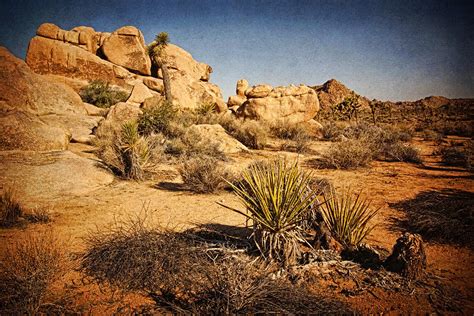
396	50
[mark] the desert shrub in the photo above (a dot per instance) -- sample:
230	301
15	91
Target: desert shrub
203	175
296	136
191	144
130	155
157	118
349	154
194	279
461	156
276	199
38	215
450	127
27	270
331	131
348	217
443	216
10	209
251	133
206	108
432	135
102	95
402	152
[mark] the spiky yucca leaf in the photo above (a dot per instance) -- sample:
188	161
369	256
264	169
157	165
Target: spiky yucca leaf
276	199
133	151
347	217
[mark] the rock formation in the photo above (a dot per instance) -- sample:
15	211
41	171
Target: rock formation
332	92
38	113
82	55
293	104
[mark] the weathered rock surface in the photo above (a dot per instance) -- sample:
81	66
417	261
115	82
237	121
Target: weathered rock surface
76	55
118	114
126	47
51	175
332	92
292	104
214	133
36	112
242	86
139	93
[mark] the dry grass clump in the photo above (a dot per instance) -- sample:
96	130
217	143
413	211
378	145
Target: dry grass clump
296	136
461	156
27	270
38	215
101	94
157	118
402	152
10	209
349	154
184	274
444	216
204	174
251	133
348	217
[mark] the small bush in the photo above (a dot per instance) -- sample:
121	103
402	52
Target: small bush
402	152
298	138
349	154
27	270
331	131
348	217
276	200
38	215
191	144
157	118
130	155
250	133
460	156
102	95
10	209
206	108
203	175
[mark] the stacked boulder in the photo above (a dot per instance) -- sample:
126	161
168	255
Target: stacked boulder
291	104
81	55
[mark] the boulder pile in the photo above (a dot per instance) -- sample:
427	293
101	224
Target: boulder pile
292	104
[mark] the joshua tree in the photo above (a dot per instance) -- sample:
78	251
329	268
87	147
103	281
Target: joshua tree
157	53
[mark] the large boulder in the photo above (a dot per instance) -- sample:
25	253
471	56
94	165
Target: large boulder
292	104
126	47
182	62
38	113
51	175
118	114
48	56
216	134
139	94
242	86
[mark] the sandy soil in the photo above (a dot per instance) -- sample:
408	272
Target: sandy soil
386	183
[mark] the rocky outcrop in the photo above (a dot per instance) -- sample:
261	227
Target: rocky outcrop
126	47
332	92
120	58
38	113
216	134
292	104
118	114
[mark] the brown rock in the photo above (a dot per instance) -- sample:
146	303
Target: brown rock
153	84
47	56
259	91
242	86
181	62
126	47
292	109
408	257
48	30
217	134
139	94
118	114
333	92
236	100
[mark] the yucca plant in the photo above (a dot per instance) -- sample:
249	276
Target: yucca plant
133	151
348	217
276	199
206	108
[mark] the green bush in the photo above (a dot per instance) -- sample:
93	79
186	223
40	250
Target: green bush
348	217
276	199
191	144
99	93
157	119
206	108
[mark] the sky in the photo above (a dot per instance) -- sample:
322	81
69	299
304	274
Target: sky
389	50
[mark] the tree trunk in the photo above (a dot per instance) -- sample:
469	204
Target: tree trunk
166	79
408	256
